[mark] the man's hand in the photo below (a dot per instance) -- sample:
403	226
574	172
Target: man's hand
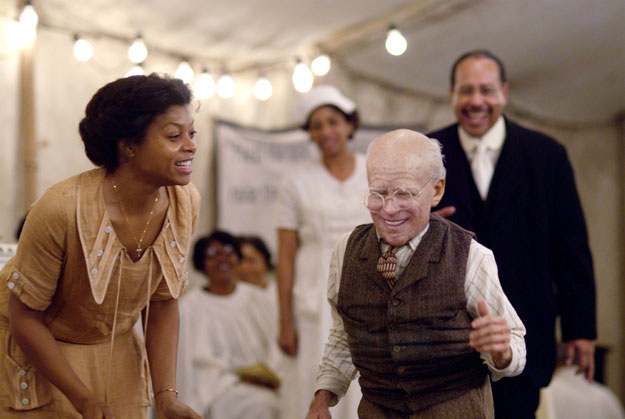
582	351
446	212
288	339
491	334
320	406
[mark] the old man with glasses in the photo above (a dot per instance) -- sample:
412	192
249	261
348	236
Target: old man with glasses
417	306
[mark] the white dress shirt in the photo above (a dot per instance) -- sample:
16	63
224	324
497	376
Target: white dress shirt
493	139
481	283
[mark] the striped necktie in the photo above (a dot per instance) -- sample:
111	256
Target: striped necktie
387	264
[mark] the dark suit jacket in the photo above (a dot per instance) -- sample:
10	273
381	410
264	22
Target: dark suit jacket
532	220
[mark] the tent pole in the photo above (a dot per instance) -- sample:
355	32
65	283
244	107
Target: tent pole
26	130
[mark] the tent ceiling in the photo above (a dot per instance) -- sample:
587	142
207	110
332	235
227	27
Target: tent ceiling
565	58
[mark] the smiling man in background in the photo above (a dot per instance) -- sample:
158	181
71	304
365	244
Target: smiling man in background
515	189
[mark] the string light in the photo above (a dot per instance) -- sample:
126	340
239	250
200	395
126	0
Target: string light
302	77
184	72
396	43
24	32
204	87
83	51
225	86
262	88
29	16
135	70
320	66
137	52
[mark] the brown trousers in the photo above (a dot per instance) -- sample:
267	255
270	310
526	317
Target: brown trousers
475	404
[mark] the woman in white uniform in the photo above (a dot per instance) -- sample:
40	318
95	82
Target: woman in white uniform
318	203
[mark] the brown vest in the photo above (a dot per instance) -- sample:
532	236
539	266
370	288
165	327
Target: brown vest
410	344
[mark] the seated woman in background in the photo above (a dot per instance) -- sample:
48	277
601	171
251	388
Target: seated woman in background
225	340
255	268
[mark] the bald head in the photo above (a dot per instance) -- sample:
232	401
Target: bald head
404	162
404	150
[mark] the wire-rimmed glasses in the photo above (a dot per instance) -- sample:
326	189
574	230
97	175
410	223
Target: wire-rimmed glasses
402	198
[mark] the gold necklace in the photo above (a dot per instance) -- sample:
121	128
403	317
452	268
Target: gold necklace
139	249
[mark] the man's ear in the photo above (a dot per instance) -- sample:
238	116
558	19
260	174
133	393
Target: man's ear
439	191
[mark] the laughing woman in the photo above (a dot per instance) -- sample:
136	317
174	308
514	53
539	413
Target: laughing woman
97	251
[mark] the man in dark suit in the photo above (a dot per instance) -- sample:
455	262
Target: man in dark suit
515	189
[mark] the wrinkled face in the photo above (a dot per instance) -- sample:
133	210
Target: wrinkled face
330	130
220	261
252	267
399	160
478	96
164	156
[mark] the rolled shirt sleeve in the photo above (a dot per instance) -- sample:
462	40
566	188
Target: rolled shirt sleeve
41	251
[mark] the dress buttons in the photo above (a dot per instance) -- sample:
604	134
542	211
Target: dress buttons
172	244
94	271
107	229
396	303
11	285
25	401
180	260
396	349
15	275
100	252
22	372
24	385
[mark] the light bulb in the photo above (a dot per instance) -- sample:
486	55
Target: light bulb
136	70
302	77
320	66
184	72
204	87
263	89
138	52
83	50
29	16
396	44
17	35
226	86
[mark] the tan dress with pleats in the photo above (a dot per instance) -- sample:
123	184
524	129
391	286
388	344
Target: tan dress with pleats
70	265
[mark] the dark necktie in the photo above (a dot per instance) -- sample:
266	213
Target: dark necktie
387	264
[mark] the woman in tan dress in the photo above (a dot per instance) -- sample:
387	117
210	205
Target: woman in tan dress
97	251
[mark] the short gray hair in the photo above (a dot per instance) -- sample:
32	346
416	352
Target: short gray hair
434	156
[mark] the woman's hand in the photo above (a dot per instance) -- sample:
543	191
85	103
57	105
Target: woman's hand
95	409
288	339
169	407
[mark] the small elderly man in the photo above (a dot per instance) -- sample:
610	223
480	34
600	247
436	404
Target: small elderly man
417	306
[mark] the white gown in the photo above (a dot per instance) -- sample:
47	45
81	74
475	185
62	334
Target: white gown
219	334
322	209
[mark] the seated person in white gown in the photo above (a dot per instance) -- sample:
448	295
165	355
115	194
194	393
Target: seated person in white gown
225	340
574	397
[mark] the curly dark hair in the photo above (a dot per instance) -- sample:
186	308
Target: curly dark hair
203	243
260	246
122	111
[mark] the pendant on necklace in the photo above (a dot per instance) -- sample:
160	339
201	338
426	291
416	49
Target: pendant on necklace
139	250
